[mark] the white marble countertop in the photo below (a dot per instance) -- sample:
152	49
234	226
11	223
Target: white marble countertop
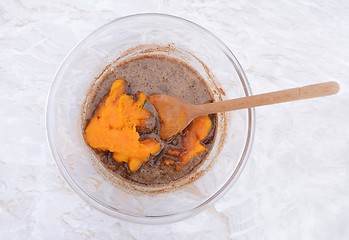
296	182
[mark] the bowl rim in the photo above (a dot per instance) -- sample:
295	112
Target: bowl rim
95	203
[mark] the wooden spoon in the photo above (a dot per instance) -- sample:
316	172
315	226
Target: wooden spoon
175	114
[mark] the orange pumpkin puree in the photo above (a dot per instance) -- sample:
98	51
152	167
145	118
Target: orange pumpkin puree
113	128
191	138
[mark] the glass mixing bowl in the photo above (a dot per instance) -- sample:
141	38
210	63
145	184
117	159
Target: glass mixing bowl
148	33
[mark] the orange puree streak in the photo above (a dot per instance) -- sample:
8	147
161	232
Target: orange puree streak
197	131
193	135
114	127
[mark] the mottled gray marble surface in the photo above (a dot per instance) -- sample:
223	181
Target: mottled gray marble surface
296	182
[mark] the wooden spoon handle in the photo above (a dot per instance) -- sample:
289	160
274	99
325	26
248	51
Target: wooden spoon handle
288	95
